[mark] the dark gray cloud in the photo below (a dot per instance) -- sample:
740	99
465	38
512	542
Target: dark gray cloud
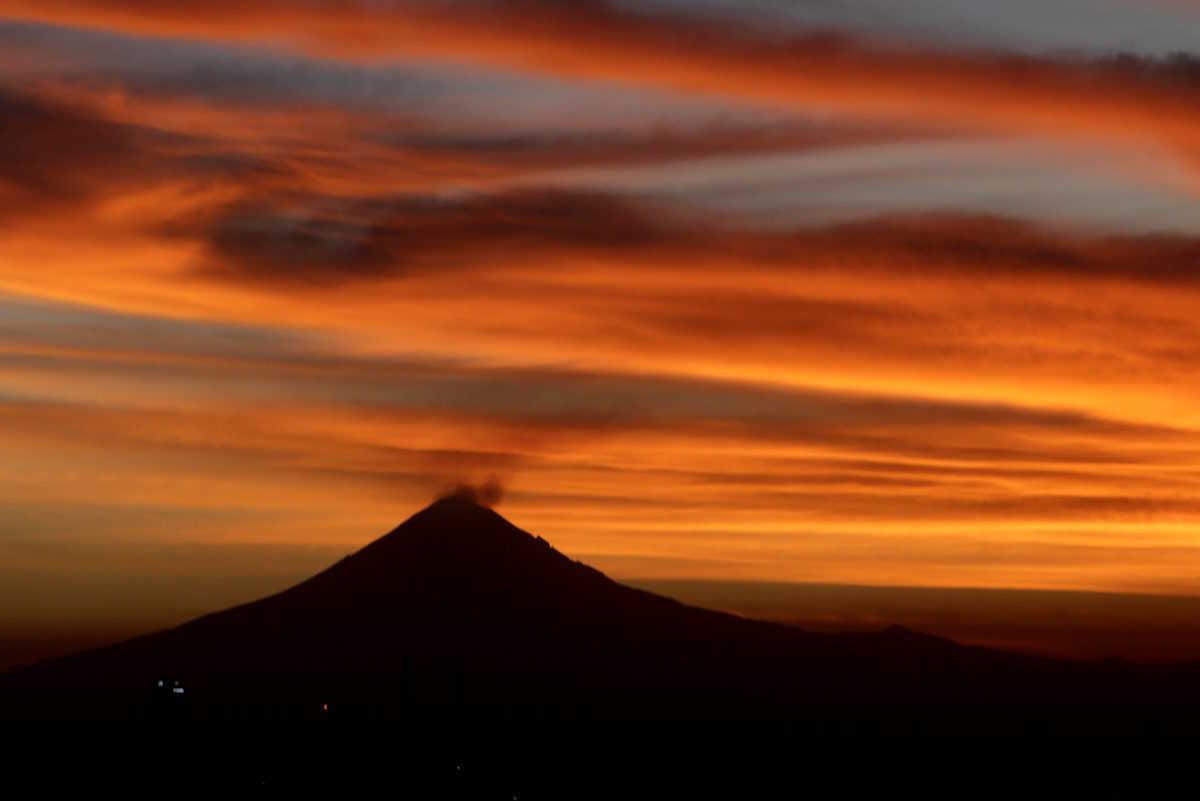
227	74
316	241
60	157
307	240
1040	26
937	242
53	153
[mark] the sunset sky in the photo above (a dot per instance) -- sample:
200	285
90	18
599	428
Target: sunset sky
856	292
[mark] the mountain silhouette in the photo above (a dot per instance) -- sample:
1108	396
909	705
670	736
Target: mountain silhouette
458	590
459	621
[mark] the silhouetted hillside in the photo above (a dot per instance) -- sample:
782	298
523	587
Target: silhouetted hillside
461	626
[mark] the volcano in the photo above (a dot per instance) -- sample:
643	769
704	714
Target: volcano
457	620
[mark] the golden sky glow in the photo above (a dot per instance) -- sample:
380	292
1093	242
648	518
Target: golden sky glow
784	297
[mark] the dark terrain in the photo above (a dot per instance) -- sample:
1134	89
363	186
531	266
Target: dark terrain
460	649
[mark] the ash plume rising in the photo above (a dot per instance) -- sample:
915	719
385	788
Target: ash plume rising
488	493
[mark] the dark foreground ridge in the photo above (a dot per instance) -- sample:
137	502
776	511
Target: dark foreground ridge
465	638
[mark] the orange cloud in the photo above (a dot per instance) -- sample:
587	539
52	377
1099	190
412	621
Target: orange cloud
1114	101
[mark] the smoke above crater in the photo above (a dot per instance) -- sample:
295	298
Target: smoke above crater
488	493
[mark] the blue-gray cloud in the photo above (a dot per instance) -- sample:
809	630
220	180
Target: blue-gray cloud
1086	27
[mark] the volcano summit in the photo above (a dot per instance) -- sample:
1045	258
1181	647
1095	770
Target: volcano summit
459	622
